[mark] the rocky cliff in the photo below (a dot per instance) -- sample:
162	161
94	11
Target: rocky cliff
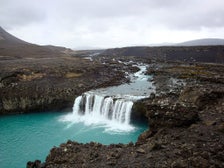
186	125
207	54
185	116
50	84
43	78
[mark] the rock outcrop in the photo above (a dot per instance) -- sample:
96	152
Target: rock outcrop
45	86
185	116
186	128
206	54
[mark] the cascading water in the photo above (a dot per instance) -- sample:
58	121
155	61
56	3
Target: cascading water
110	108
100	110
106	107
101	115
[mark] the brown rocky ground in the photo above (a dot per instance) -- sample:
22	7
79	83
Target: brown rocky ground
186	120
40	84
43	78
186	115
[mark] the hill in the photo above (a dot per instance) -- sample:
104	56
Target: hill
12	47
203	42
206	54
6	38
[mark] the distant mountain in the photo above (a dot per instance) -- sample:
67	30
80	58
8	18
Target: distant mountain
12	47
5	37
208	54
202	42
161	44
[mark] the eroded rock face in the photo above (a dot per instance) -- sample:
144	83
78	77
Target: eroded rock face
186	130
186	115
201	96
51	84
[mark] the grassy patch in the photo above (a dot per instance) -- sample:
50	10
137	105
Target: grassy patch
73	75
31	76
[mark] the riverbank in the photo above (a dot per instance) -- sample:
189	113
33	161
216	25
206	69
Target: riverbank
185	115
43	84
186	118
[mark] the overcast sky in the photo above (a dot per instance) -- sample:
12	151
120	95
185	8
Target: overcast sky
112	23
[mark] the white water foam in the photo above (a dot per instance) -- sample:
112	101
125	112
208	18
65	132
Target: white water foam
110	108
100	111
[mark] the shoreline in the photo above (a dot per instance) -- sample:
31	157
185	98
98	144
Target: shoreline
186	115
179	119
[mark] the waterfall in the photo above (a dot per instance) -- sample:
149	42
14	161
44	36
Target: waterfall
106	107
76	105
110	108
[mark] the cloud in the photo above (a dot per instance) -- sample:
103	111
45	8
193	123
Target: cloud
111	23
195	15
19	13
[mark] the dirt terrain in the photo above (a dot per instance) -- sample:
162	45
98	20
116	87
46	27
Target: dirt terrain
186	124
42	78
185	116
41	84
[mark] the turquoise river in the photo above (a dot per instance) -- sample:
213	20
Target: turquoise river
26	137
